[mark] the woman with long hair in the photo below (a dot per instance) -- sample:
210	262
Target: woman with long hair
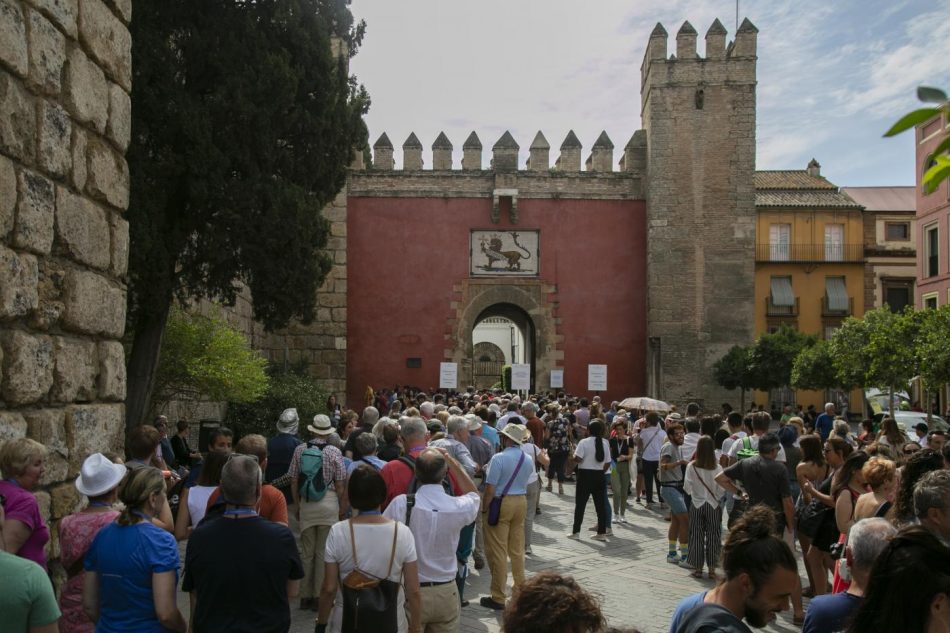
847	488
919	464
592	457
552	603
621	452
194	501
649	441
132	565
909	587
818	557
890	434
334	409
812	469
705	510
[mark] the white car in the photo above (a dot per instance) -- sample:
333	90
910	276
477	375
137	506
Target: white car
907	420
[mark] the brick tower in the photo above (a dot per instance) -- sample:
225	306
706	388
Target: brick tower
699	117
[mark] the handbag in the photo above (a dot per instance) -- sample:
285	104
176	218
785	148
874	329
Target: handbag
494	507
369	603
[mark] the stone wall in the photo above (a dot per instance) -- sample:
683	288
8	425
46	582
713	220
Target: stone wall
65	78
699	117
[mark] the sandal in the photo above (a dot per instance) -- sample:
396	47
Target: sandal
698	573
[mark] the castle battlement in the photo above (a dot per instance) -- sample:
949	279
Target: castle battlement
505	155
732	62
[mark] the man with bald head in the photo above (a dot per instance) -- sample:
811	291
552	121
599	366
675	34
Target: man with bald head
436	518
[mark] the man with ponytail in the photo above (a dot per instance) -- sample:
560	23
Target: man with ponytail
760	575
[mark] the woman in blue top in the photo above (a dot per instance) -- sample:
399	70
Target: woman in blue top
132	565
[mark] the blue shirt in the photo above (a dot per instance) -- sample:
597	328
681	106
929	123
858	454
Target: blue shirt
125	557
502	466
490	433
371	459
685	605
824	423
830	612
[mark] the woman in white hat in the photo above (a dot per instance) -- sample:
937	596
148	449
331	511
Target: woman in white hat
98	480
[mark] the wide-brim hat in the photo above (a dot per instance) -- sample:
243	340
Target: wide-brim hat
515	432
474	425
99	475
321	425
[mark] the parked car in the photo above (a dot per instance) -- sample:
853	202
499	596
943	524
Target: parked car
907	420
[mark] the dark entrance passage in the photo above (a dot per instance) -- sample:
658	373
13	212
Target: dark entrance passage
506	330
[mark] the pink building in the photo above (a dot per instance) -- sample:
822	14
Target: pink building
933	223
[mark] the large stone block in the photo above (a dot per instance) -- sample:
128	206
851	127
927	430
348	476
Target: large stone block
112	379
107	39
47	54
120	246
64	500
27	367
13	49
18	121
63	12
120	116
75	369
34	223
19	278
82	228
7	196
93	305
123	9
79	158
12	425
53	150
48	427
107	177
93	428
87	91
52	279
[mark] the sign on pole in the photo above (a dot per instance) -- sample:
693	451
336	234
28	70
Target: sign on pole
521	376
557	379
448	375
597	377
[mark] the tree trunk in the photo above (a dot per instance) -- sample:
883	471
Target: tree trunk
143	362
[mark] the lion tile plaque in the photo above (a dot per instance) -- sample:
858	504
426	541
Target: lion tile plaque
504	253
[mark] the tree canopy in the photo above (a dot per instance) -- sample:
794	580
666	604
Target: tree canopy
244	122
938	162
772	356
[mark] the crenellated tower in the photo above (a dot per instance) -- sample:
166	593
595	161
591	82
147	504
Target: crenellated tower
698	113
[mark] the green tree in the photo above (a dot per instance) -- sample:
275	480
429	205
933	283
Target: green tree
933	352
244	122
732	372
938	160
291	387
205	359
772	356
878	350
814	369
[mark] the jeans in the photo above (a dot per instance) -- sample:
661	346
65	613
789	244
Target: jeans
556	467
591	483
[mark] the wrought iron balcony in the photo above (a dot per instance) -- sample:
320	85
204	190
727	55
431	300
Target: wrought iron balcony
809	253
780	311
828	312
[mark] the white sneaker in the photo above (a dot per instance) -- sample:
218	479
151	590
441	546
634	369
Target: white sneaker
576	536
622	519
615	519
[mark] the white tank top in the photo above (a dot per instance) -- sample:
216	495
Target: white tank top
198	502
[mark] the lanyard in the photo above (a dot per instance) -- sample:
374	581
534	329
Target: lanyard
13	482
142	516
100	504
240	512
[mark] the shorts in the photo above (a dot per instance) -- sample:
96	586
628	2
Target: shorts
675	497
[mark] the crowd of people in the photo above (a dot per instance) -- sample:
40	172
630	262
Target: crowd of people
374	521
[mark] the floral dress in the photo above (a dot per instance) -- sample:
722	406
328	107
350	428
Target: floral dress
76	533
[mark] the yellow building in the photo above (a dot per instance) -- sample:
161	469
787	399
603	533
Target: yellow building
809	264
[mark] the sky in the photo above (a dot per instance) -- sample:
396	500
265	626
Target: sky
833	75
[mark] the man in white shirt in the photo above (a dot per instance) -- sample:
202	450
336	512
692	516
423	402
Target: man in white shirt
691	439
511	417
455	442
435	519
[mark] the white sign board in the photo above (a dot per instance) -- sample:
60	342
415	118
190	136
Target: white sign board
557	379
448	375
597	377
520	377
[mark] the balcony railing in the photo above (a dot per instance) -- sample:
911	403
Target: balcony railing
810	253
780	311
828	312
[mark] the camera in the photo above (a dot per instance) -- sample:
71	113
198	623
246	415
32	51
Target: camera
837	551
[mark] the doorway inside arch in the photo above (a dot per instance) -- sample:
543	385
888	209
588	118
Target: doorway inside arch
504	334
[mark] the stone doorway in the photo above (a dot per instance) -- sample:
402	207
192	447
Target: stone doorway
529	304
503	335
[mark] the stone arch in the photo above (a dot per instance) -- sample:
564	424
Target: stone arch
474	299
486	351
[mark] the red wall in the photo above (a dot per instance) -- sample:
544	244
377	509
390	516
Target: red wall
404	255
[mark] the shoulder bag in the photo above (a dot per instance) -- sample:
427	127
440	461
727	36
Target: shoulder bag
369	603
494	508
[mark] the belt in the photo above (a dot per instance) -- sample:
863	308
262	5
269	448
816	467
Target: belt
435	584
672	484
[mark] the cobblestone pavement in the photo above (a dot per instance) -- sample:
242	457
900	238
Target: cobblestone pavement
629	573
